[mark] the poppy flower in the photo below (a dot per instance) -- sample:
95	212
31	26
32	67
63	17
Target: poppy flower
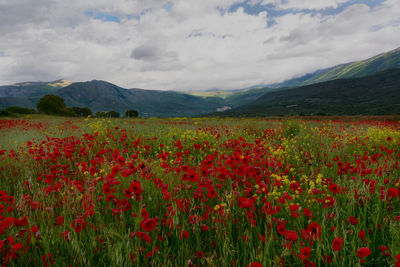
363	252
361	234
78	225
211	192
136	188
353	220
291	236
183	234
143	236
199	254
245	202
305	253
148	224
337	244
307	213
314	229
60	220
281	229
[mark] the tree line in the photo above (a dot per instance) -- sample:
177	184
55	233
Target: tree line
55	105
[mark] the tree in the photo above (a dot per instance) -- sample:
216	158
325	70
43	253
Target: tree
109	114
52	105
81	112
113	114
20	110
101	114
131	113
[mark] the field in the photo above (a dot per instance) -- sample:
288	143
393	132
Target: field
199	192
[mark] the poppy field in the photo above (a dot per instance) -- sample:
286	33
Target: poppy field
199	192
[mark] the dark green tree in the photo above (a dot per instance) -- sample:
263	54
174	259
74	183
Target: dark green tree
20	110
113	114
101	114
131	113
81	112
5	113
52	105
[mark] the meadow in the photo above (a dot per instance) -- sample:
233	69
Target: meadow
199	192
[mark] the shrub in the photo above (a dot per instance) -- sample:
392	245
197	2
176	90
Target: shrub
20	110
81	112
113	114
131	113
52	105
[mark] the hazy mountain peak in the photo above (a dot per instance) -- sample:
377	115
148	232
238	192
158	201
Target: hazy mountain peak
60	83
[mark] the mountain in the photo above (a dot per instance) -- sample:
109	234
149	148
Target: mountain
376	94
32	89
28	93
104	96
384	61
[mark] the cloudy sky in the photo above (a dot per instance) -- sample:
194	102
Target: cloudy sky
189	44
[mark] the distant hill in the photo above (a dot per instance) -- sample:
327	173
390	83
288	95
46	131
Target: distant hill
384	61
104	96
32	89
376	94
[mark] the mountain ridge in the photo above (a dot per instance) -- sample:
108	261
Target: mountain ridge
355	69
376	94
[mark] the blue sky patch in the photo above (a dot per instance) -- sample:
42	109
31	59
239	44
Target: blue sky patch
102	16
273	11
168	6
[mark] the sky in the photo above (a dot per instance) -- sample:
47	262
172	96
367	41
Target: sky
189	44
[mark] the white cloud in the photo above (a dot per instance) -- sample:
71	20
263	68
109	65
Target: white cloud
191	46
300	4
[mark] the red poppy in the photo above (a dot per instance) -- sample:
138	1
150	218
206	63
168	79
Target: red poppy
136	188
199	254
337	244
305	253
307	212
245	202
308	263
78	225
60	220
363	252
353	220
148	224
281	229
361	234
143	236
183	234
291	236
314	229
294	207
211	192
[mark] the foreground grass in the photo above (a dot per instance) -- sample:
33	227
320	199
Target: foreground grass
214	192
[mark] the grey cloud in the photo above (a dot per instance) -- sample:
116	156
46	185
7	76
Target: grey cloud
14	13
151	53
146	53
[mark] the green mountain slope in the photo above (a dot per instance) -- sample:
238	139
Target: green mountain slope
375	94
246	96
388	60
104	96
32	89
